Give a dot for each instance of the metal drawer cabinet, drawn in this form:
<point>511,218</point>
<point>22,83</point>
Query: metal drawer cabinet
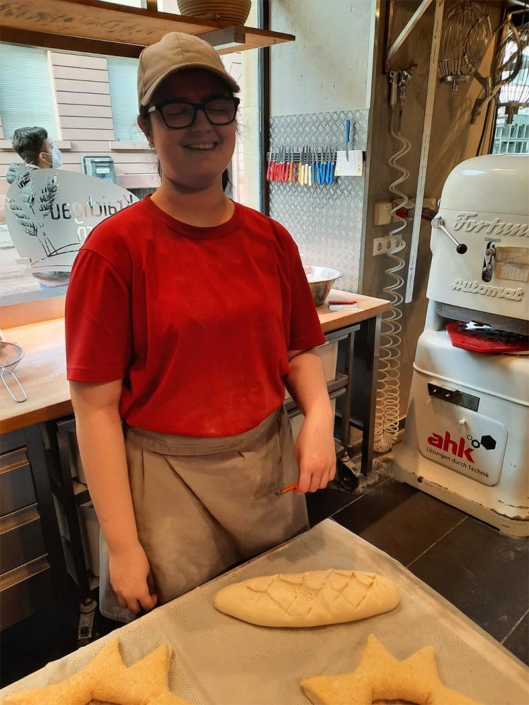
<point>16,482</point>
<point>25,590</point>
<point>21,538</point>
<point>32,568</point>
<point>26,581</point>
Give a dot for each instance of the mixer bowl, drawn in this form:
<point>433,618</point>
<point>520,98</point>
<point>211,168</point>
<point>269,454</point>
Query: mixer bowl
<point>321,281</point>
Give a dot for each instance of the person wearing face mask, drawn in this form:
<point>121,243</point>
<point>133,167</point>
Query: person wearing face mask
<point>54,158</point>
<point>186,316</point>
<point>35,148</point>
<point>37,151</point>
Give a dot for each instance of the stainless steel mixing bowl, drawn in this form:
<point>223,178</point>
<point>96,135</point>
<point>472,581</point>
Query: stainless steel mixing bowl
<point>321,281</point>
<point>10,356</point>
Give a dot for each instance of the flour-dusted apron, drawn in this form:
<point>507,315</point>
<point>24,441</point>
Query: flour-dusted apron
<point>203,505</point>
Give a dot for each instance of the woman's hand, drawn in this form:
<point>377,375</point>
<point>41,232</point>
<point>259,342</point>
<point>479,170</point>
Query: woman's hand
<point>314,450</point>
<point>129,570</point>
<point>102,446</point>
<point>315,454</point>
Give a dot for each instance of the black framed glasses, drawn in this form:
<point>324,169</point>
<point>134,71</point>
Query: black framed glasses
<point>178,114</point>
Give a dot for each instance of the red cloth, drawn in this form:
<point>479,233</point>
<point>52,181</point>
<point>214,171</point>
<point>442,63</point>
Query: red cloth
<point>197,321</point>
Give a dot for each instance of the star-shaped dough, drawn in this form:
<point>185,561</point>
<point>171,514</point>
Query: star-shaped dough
<point>107,679</point>
<point>380,676</point>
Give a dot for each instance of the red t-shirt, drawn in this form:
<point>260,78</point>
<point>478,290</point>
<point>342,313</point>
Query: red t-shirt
<point>196,321</point>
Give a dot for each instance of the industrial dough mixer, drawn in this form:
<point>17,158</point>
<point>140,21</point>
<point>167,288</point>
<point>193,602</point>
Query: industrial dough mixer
<point>466,437</point>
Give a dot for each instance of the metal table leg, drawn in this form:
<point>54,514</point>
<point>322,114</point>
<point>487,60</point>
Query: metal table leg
<point>88,606</point>
<point>366,350</point>
<point>345,470</point>
<point>345,429</point>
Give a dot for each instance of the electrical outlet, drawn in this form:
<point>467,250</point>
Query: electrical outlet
<point>388,245</point>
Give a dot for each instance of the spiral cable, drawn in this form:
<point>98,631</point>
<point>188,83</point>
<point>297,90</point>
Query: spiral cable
<point>388,388</point>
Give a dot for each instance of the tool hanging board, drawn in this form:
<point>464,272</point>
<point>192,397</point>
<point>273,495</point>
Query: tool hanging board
<point>326,222</point>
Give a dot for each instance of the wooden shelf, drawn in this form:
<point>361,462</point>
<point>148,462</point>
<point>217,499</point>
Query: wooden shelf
<point>102,28</point>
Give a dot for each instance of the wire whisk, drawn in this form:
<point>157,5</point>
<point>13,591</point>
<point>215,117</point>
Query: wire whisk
<point>506,69</point>
<point>512,71</point>
<point>466,36</point>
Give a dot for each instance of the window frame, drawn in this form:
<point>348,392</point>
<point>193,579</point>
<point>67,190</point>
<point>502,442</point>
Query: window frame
<point>37,305</point>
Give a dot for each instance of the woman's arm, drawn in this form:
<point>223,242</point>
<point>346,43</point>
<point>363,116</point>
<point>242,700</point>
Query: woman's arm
<point>314,450</point>
<point>102,448</point>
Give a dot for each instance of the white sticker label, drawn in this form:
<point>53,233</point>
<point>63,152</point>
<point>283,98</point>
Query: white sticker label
<point>354,166</point>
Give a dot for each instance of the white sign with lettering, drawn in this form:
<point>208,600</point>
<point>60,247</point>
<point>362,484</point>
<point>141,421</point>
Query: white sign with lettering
<point>50,213</point>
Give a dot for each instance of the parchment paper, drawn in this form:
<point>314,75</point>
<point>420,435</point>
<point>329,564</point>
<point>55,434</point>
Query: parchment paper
<point>221,661</point>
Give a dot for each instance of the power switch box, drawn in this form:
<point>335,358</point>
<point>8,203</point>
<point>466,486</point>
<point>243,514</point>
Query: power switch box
<point>382,213</point>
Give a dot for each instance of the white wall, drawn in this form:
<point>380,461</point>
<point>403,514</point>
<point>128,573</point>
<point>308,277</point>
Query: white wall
<point>328,67</point>
<point>168,6</point>
<point>248,121</point>
<point>128,3</point>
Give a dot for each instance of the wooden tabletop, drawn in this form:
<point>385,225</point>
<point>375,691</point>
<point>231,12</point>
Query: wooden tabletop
<point>368,307</point>
<point>42,373</point>
<point>42,369</point>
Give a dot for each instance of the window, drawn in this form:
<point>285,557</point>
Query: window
<point>122,80</point>
<point>26,93</point>
<point>511,131</point>
<point>246,168</point>
<point>128,3</point>
<point>85,117</point>
<point>513,138</point>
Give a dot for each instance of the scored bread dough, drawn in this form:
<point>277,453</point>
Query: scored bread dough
<point>311,599</point>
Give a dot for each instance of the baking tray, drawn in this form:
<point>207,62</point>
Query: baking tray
<point>221,661</point>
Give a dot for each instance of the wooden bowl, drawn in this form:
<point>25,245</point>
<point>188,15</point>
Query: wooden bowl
<point>235,11</point>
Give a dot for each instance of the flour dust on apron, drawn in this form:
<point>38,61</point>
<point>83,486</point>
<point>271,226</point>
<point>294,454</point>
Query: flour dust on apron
<point>202,505</point>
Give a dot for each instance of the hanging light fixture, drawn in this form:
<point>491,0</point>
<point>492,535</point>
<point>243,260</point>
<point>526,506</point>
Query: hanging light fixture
<point>515,94</point>
<point>466,36</point>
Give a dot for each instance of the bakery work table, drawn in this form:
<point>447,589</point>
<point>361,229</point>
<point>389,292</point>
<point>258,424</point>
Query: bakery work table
<point>219,660</point>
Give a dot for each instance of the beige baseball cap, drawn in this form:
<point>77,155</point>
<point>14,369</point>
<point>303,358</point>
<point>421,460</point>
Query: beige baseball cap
<point>175,52</point>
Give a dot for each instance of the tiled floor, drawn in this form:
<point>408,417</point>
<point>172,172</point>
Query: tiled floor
<point>482,572</point>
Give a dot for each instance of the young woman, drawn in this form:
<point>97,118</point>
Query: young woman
<point>186,315</point>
